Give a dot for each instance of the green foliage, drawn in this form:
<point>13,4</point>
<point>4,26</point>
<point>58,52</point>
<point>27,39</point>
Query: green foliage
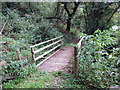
<point>98,65</point>
<point>36,80</point>
<point>24,29</point>
<point>28,29</point>
<point>97,15</point>
<point>65,80</point>
<point>10,48</point>
<point>25,26</point>
<point>45,32</point>
<point>44,80</point>
<point>13,68</point>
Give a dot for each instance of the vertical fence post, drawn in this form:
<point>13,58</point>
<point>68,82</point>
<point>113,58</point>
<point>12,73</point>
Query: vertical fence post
<point>33,55</point>
<point>62,41</point>
<point>75,63</point>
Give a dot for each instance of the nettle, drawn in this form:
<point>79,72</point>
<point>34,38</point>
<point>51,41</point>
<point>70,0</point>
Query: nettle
<point>99,60</point>
<point>14,68</point>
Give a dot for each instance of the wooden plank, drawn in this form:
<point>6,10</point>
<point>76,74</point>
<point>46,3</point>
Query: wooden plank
<point>46,52</point>
<point>46,41</point>
<point>47,46</point>
<point>47,58</point>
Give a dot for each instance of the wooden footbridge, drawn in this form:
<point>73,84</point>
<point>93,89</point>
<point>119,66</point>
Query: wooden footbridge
<point>59,59</point>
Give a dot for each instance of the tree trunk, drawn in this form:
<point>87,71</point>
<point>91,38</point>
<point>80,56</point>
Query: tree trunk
<point>68,24</point>
<point>70,15</point>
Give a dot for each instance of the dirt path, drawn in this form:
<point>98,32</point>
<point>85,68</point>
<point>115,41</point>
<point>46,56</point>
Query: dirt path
<point>59,61</point>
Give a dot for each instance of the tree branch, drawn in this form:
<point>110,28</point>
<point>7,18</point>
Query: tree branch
<point>54,17</point>
<point>112,15</point>
<point>3,27</point>
<point>75,8</point>
<point>65,6</point>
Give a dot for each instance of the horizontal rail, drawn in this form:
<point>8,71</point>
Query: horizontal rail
<point>46,52</point>
<point>79,43</point>
<point>47,46</point>
<point>45,41</point>
<point>47,58</point>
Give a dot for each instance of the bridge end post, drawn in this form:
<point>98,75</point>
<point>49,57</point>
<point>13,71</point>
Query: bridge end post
<point>33,55</point>
<point>75,63</point>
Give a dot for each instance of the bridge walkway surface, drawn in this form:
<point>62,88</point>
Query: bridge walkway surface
<point>59,60</point>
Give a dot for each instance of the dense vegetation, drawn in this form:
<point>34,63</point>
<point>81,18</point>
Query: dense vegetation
<point>99,60</point>
<point>25,24</point>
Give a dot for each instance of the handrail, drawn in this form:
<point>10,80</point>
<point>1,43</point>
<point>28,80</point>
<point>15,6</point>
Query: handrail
<point>47,46</point>
<point>46,52</point>
<point>80,41</point>
<point>55,42</point>
<point>45,42</point>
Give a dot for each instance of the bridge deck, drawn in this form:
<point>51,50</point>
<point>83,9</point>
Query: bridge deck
<point>59,60</point>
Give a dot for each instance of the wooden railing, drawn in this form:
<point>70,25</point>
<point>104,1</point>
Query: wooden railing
<point>76,52</point>
<point>58,41</point>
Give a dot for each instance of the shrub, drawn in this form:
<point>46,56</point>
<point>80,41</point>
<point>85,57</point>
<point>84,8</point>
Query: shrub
<point>13,68</point>
<point>98,67</point>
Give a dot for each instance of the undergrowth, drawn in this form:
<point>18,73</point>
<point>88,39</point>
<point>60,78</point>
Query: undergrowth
<point>38,79</point>
<point>99,60</point>
<point>42,79</point>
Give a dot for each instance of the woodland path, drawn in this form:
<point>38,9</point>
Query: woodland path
<point>59,60</point>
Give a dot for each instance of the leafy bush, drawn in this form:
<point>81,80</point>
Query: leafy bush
<point>98,66</point>
<point>45,32</point>
<point>13,68</point>
<point>28,28</point>
<point>20,32</point>
<point>37,79</point>
<point>10,47</point>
